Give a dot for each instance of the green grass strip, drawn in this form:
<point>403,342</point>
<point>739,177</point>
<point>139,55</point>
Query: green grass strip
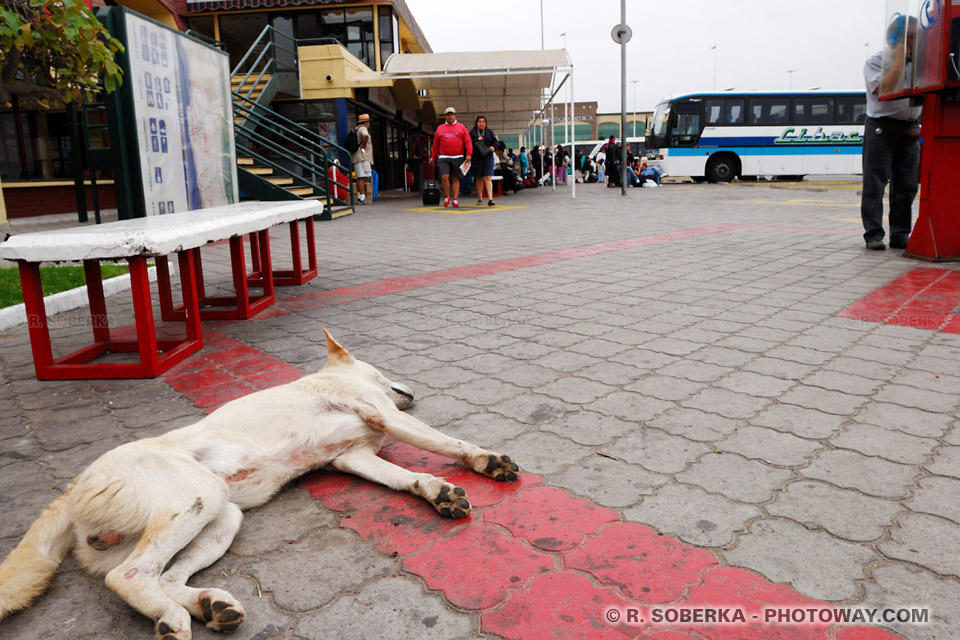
<point>54,279</point>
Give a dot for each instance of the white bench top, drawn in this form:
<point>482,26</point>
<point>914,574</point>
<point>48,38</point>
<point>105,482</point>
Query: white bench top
<point>154,235</point>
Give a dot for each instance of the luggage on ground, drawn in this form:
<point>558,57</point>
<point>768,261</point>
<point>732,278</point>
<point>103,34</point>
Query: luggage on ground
<point>431,192</point>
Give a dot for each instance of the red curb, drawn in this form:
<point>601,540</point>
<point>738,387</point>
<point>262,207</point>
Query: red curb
<point>647,567</point>
<point>477,566</point>
<point>550,519</point>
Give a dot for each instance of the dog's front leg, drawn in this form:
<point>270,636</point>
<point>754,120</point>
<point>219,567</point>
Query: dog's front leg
<point>447,499</point>
<point>408,429</point>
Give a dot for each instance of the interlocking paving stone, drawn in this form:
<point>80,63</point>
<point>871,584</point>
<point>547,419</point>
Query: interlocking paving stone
<point>558,600</point>
<point>770,446</point>
<point>545,453</point>
<point>895,586</point>
<point>926,540</point>
<point>695,371</point>
<point>656,450</point>
<point>754,384</point>
<point>812,562</point>
<point>906,419</point>
<point>288,516</point>
<point>485,429</point>
<point>844,513</point>
<point>843,382</point>
<point>727,403</point>
<point>477,565</point>
<point>735,477</point>
<point>338,560</point>
<point>608,482</point>
<point>693,515</point>
<point>630,406</point>
<point>695,424</point>
<point>946,462</point>
<point>824,400</point>
<point>618,556</point>
<point>665,387</point>
<point>485,391</point>
<point>806,423</point>
<point>576,390</point>
<point>937,496</point>
<point>588,427</point>
<point>532,408</point>
<point>873,476</point>
<point>893,445</point>
<point>392,607</point>
<point>919,398</point>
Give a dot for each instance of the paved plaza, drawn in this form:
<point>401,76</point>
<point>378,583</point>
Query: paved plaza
<point>718,397</point>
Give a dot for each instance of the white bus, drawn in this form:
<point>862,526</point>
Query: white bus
<point>717,137</point>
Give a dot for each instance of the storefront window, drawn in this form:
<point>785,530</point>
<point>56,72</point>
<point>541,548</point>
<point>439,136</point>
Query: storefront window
<point>35,146</point>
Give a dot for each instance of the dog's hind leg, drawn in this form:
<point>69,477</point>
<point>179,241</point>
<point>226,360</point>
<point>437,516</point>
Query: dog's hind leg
<point>177,520</point>
<point>216,607</point>
<point>446,498</point>
<point>408,429</point>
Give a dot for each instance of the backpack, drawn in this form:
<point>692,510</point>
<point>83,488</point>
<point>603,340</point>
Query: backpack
<point>351,142</point>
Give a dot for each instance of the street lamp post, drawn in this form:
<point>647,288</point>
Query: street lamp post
<point>790,73</point>
<point>714,48</point>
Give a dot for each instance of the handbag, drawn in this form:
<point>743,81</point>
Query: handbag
<point>481,149</point>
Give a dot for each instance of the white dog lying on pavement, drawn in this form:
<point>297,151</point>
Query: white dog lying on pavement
<point>181,494</point>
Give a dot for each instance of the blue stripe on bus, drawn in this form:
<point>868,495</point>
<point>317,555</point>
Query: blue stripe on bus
<point>853,150</point>
<point>752,141</point>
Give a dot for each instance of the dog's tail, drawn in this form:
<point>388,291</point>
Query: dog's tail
<point>25,573</point>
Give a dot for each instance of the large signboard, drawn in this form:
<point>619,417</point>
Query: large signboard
<point>183,116</point>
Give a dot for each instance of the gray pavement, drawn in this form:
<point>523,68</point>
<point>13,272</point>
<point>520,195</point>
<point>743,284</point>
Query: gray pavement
<point>701,384</point>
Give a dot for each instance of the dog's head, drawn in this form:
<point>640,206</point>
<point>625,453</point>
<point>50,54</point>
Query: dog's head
<point>337,356</point>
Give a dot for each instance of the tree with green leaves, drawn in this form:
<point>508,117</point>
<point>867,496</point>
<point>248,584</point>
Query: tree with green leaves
<point>53,51</point>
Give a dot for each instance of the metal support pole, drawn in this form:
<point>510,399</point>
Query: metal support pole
<point>573,156</point>
<point>623,102</point>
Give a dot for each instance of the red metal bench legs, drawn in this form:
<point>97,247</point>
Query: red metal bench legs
<point>239,306</point>
<point>289,277</point>
<point>155,356</point>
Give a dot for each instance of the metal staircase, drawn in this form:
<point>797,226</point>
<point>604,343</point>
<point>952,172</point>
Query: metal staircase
<point>277,158</point>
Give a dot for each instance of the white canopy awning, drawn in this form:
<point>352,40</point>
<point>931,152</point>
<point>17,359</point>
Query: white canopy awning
<point>505,86</point>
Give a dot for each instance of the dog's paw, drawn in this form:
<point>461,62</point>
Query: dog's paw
<point>173,625</point>
<point>451,501</point>
<point>221,611</point>
<point>499,467</point>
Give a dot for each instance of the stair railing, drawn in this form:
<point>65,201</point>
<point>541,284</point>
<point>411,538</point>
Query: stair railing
<point>295,144</point>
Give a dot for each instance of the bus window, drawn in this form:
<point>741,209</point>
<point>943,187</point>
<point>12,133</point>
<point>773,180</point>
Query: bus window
<point>818,109</point>
<point>734,111</point>
<point>714,111</point>
<point>851,109</point>
<point>686,130</point>
<point>768,110</point>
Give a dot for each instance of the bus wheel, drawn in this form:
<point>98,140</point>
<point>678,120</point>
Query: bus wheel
<point>721,169</point>
<point>699,179</point>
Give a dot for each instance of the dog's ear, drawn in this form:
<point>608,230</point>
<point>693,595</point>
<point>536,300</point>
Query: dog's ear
<point>335,353</point>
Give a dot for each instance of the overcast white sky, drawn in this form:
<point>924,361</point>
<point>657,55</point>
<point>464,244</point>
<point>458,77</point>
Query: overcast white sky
<point>757,41</point>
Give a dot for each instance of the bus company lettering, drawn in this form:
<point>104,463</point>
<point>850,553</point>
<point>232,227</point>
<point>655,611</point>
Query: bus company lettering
<point>789,136</point>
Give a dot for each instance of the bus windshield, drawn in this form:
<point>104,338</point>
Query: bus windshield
<point>661,117</point>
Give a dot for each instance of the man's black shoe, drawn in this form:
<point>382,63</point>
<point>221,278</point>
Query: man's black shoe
<point>876,245</point>
<point>899,243</point>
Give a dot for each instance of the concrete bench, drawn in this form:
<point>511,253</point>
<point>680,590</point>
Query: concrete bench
<point>157,237</point>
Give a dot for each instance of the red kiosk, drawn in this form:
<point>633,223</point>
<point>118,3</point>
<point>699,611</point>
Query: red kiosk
<point>933,77</point>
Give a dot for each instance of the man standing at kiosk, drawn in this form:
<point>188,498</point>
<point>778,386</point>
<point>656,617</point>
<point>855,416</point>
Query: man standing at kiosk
<point>451,147</point>
<point>891,150</point>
